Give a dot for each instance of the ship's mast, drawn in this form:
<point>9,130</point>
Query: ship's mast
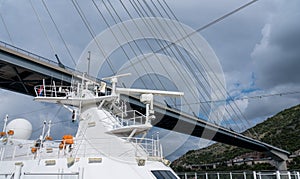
<point>146,96</point>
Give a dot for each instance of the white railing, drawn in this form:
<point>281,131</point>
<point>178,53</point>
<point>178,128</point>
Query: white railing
<point>140,147</point>
<point>152,147</point>
<point>53,91</point>
<point>67,91</point>
<point>135,118</point>
<point>10,152</point>
<point>241,175</point>
<point>50,149</point>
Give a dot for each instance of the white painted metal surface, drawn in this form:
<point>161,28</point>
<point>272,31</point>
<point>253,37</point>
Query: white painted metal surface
<point>108,143</point>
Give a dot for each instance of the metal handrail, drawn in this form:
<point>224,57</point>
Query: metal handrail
<point>53,91</point>
<point>38,57</point>
<point>240,174</point>
<point>137,119</point>
<point>151,147</point>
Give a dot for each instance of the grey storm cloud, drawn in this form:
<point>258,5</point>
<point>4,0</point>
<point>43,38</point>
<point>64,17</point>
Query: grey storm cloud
<point>269,63</point>
<point>277,56</point>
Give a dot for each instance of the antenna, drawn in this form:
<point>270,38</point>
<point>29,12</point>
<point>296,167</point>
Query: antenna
<point>5,122</point>
<point>146,97</point>
<point>49,128</point>
<point>89,61</point>
<point>43,131</point>
<point>48,137</point>
<point>146,91</point>
<point>114,81</point>
<point>84,77</point>
<point>3,133</point>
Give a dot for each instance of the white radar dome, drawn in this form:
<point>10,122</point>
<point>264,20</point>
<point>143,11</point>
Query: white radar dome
<point>21,127</point>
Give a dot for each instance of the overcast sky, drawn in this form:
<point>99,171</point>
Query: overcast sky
<point>258,49</point>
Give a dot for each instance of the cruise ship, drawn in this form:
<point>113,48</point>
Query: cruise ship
<point>111,140</point>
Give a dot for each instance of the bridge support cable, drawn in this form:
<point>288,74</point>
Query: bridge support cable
<point>127,32</point>
<point>137,46</point>
<point>164,6</point>
<point>188,61</point>
<point>173,52</point>
<point>176,31</point>
<point>139,49</point>
<point>43,28</point>
<point>234,108</point>
<point>212,23</point>
<point>159,43</point>
<point>203,88</point>
<point>59,33</point>
<point>214,76</point>
<point>6,29</point>
<point>122,34</point>
<point>91,32</point>
<point>152,13</point>
<point>237,113</point>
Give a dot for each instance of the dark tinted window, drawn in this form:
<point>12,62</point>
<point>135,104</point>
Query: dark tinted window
<point>163,174</point>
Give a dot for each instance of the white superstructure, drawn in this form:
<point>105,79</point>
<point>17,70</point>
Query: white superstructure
<point>110,141</point>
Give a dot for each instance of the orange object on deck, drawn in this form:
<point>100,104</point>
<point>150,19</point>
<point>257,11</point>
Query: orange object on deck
<point>2,134</point>
<point>33,150</point>
<point>61,146</point>
<point>68,139</point>
<point>11,132</point>
<point>48,138</point>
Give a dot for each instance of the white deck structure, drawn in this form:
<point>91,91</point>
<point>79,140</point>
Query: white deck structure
<point>110,141</point>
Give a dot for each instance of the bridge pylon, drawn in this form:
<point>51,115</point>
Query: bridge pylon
<point>280,159</point>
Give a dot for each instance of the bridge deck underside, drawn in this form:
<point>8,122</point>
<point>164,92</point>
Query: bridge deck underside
<point>20,74</point>
<point>19,79</point>
<point>166,119</point>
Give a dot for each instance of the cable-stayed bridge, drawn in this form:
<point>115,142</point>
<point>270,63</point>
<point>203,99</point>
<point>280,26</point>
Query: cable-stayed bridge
<point>21,70</point>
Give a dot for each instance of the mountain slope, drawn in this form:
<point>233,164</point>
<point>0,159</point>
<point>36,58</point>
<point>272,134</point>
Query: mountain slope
<point>281,130</point>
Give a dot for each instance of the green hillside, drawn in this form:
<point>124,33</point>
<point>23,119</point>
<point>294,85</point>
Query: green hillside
<point>281,130</point>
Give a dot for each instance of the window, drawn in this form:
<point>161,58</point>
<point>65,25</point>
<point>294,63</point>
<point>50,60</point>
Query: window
<point>163,174</point>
